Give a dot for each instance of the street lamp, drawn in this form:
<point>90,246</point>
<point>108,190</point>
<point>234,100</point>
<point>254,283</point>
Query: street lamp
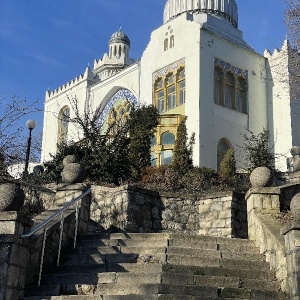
<point>30,124</point>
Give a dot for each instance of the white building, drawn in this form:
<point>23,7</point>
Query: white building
<point>197,65</point>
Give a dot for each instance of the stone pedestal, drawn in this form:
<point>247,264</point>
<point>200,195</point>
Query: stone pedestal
<point>291,232</point>
<point>261,199</point>
<point>14,254</point>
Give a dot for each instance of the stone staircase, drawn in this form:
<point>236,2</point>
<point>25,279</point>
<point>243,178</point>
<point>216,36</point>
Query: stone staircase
<point>162,266</point>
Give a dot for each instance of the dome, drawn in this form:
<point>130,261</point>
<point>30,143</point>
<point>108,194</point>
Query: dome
<point>120,37</point>
<point>226,9</point>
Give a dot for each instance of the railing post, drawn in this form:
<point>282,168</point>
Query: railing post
<point>42,255</point>
<point>60,237</point>
<point>76,224</point>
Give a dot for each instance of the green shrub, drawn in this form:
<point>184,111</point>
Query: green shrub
<point>258,151</point>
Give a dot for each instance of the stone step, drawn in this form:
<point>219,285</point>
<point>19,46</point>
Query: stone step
<point>141,242</point>
<point>88,250</point>
<point>135,268</point>
<point>143,267</point>
<point>212,243</point>
<point>219,271</point>
<point>216,262</point>
<point>103,278</point>
<point>141,289</point>
<point>214,253</point>
<point>74,259</point>
<point>127,289</point>
<point>136,236</point>
<point>219,281</point>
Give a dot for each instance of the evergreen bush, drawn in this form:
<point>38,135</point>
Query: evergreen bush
<point>183,150</point>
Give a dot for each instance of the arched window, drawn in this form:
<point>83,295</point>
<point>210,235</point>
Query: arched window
<point>218,85</point>
<point>223,147</point>
<point>172,41</point>
<point>63,124</point>
<point>160,95</point>
<point>171,91</point>
<point>167,138</point>
<point>229,90</point>
<point>181,85</point>
<point>166,44</point>
<point>241,95</point>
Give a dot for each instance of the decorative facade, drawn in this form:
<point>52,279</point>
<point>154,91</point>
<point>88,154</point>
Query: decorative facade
<point>197,67</point>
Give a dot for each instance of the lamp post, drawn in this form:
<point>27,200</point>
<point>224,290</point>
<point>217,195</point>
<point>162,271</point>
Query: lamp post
<point>30,124</point>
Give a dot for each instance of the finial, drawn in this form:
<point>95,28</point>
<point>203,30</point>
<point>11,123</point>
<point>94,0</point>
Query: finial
<point>120,27</point>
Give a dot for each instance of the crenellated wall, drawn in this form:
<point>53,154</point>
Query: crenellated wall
<point>87,75</point>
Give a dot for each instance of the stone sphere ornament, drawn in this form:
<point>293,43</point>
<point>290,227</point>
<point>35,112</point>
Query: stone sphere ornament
<point>295,150</point>
<point>73,173</point>
<point>69,159</point>
<point>12,197</point>
<point>295,206</point>
<point>38,169</point>
<point>261,177</point>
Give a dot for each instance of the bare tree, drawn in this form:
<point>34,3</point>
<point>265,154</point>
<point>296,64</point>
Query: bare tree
<point>292,20</point>
<point>12,139</point>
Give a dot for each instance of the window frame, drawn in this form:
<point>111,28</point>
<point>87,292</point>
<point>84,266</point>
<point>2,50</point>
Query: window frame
<point>227,82</point>
<point>63,129</point>
<point>168,95</point>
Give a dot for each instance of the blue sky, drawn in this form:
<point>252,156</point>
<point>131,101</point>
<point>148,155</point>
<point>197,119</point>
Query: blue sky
<point>45,44</point>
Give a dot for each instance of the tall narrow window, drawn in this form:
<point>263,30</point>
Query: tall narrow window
<point>172,41</point>
<point>229,91</point>
<point>181,86</point>
<point>171,91</point>
<point>241,95</point>
<point>63,125</point>
<point>160,95</point>
<point>218,90</point>
<point>166,44</point>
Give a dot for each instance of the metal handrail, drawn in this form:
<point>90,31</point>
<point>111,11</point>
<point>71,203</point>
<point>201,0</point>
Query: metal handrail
<point>54,215</point>
<point>62,218</point>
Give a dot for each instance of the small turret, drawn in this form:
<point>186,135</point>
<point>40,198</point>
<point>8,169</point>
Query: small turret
<point>118,57</point>
<point>119,44</point>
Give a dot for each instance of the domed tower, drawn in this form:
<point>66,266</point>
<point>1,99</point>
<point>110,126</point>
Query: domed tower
<point>226,9</point>
<point>119,44</point>
<point>117,59</point>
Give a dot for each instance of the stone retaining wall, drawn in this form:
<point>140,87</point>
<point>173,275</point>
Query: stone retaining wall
<point>14,254</point>
<point>139,210</point>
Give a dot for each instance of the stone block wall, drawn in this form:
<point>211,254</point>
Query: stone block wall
<point>14,254</point>
<point>291,232</point>
<point>138,210</point>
